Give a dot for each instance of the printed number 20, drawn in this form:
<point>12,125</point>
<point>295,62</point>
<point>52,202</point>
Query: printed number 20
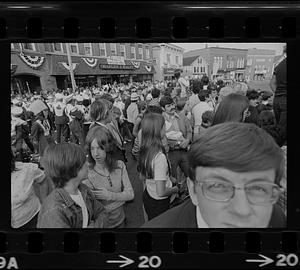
<point>154,262</point>
<point>291,260</point>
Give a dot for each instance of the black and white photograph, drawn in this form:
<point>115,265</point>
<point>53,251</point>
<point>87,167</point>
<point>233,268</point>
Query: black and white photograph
<point>148,135</point>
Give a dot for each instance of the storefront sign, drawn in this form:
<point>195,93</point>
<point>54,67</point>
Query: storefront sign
<point>127,67</point>
<point>115,60</point>
<point>169,71</point>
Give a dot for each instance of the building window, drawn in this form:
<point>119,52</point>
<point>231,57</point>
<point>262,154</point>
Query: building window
<point>140,51</point>
<point>12,46</point>
<point>102,49</point>
<point>122,50</point>
<point>200,61</point>
<point>28,46</point>
<point>132,51</point>
<point>147,53</point>
<point>57,47</point>
<point>249,62</point>
<point>176,59</point>
<point>195,70</point>
<point>168,58</point>
<point>87,48</point>
<point>74,48</point>
<point>113,48</point>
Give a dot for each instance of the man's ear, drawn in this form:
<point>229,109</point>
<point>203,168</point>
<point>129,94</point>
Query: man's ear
<point>192,191</point>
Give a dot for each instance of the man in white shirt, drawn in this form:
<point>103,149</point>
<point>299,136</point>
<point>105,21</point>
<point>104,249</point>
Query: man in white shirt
<point>132,110</point>
<point>199,109</point>
<point>181,84</point>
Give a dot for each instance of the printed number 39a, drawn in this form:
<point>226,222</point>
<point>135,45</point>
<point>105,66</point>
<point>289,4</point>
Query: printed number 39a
<point>146,262</point>
<point>291,260</point>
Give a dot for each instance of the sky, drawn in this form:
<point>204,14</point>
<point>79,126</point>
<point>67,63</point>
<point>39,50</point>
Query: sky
<point>278,47</point>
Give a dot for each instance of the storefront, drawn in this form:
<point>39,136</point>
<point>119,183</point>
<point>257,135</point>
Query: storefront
<point>169,73</point>
<point>30,73</point>
<point>99,71</point>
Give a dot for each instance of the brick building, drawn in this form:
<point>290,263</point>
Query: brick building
<point>223,63</point>
<point>36,66</point>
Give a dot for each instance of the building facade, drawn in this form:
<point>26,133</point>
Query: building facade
<point>259,64</point>
<point>167,58</point>
<point>195,66</point>
<point>222,63</point>
<point>36,66</point>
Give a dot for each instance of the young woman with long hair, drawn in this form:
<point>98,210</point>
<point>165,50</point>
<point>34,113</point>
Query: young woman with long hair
<point>154,166</point>
<point>107,176</point>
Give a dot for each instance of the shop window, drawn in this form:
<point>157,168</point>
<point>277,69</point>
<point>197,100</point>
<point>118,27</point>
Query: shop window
<point>102,49</point>
<point>28,46</point>
<point>87,48</point>
<point>74,48</point>
<point>57,47</point>
<point>122,50</point>
<point>113,48</point>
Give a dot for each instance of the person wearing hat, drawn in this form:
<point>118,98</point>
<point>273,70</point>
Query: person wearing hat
<point>40,129</point>
<point>61,118</point>
<point>132,110</point>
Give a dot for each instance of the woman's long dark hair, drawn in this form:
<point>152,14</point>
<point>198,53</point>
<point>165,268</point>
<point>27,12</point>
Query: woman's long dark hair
<point>151,142</point>
<point>231,109</point>
<point>106,141</point>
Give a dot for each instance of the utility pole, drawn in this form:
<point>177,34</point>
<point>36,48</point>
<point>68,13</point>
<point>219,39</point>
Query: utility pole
<point>71,67</point>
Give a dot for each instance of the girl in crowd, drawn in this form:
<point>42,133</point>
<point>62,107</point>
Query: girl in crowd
<point>233,108</point>
<point>154,166</point>
<point>40,129</point>
<point>107,176</point>
<point>101,116</point>
<point>142,106</point>
<point>71,204</point>
<point>29,187</point>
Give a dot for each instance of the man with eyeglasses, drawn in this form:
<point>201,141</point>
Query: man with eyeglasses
<point>235,174</point>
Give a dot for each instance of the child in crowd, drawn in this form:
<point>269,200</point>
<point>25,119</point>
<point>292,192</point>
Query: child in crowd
<point>71,204</point>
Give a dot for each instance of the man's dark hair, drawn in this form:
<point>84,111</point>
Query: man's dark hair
<point>155,93</point>
<point>165,100</point>
<point>203,94</point>
<point>205,80</point>
<point>252,95</point>
<point>196,86</point>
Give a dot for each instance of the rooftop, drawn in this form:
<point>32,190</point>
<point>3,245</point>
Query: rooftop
<point>187,61</point>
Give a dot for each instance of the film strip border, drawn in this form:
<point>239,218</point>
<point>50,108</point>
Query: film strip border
<point>150,20</point>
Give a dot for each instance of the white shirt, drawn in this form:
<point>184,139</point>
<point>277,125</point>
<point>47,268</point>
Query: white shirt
<point>59,108</point>
<point>78,199</point>
<point>24,203</point>
<point>183,85</point>
<point>160,172</point>
<point>198,110</point>
<point>132,112</point>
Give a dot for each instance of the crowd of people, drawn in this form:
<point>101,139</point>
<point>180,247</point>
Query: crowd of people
<point>198,143</point>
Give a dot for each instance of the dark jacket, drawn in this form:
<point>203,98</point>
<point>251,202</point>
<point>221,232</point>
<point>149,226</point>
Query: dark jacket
<point>60,211</point>
<point>184,216</point>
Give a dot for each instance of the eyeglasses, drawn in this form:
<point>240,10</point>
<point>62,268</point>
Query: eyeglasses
<point>258,193</point>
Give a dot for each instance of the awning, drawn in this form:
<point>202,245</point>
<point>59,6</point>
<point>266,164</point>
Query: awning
<point>97,66</point>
